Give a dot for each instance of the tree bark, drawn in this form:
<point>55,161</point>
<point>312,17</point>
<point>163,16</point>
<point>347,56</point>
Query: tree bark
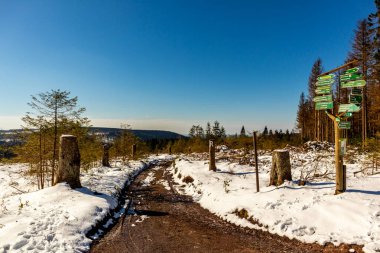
<point>69,162</point>
<point>281,168</point>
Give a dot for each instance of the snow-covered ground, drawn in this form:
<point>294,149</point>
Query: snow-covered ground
<point>56,219</point>
<point>310,213</point>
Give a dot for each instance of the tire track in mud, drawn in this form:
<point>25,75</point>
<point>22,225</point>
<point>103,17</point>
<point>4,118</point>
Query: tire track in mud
<point>161,220</point>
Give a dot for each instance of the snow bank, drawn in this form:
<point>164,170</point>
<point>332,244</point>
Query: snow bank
<point>56,219</point>
<point>310,213</point>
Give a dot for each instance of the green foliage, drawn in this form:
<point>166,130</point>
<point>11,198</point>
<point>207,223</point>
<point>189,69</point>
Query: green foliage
<point>53,113</point>
<point>122,145</point>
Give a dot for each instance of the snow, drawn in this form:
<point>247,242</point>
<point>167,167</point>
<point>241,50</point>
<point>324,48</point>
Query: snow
<point>56,219</point>
<point>310,213</point>
<point>149,179</point>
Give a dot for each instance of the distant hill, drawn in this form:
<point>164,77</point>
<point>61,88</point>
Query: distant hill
<point>144,135</point>
<point>10,137</point>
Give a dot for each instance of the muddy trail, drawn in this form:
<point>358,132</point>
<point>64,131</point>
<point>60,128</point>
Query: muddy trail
<point>161,220</point>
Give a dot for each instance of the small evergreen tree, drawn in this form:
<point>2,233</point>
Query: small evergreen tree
<point>242,132</point>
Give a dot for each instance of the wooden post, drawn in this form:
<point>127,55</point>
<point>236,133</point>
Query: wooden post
<point>212,165</point>
<point>170,149</point>
<point>256,161</point>
<point>106,155</point>
<point>133,151</point>
<point>338,157</point>
<point>344,178</point>
<point>69,162</point>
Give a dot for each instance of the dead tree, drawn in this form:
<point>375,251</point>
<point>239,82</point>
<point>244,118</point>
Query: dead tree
<point>281,168</point>
<point>69,162</point>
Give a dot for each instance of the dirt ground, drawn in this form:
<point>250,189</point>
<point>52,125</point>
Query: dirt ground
<point>160,220</point>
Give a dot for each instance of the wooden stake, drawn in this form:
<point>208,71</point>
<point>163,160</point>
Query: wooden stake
<point>212,165</point>
<point>339,180</point>
<point>133,151</point>
<point>256,161</point>
<point>106,155</point>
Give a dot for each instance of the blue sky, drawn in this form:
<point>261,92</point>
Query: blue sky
<point>171,64</point>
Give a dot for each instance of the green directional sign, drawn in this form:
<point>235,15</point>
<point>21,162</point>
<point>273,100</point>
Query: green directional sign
<point>353,70</point>
<point>347,115</point>
<point>349,108</point>
<point>324,105</point>
<point>356,91</point>
<point>325,82</point>
<point>326,77</point>
<point>320,91</point>
<point>356,99</point>
<point>344,125</point>
<point>326,98</point>
<point>350,77</point>
<point>352,84</point>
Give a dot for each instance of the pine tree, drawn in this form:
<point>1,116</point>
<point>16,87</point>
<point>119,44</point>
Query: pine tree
<point>208,131</point>
<point>192,131</point>
<point>374,75</point>
<point>56,112</point>
<point>301,115</point>
<point>242,132</point>
<point>223,132</point>
<point>265,132</point>
<point>216,129</point>
<point>199,133</point>
<point>361,51</point>
<point>316,70</point>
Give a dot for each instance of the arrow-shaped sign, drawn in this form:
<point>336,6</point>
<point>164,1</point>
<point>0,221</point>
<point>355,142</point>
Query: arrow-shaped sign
<point>352,84</point>
<point>326,77</point>
<point>344,125</point>
<point>349,108</point>
<point>324,105</point>
<point>325,82</point>
<point>350,77</point>
<point>323,90</point>
<point>327,98</point>
<point>353,70</point>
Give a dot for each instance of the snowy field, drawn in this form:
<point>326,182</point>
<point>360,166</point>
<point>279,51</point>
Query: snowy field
<point>310,213</point>
<point>56,219</point>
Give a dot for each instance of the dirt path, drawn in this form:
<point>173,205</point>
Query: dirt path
<point>162,221</point>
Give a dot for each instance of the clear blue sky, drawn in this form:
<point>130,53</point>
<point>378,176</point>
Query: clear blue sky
<point>171,64</point>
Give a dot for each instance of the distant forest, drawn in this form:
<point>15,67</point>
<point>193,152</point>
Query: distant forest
<point>365,125</point>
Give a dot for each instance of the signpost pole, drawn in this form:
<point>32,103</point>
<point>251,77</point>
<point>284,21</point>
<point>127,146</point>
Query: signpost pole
<point>352,80</point>
<point>256,161</point>
<point>339,188</point>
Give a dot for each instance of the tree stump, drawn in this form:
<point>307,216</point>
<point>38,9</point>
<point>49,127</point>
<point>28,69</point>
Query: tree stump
<point>212,165</point>
<point>281,169</point>
<point>106,155</point>
<point>69,162</point>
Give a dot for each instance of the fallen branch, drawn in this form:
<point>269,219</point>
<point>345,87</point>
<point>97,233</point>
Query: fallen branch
<point>17,189</point>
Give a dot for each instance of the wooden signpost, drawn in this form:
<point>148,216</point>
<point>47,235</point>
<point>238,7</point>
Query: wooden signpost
<point>350,79</point>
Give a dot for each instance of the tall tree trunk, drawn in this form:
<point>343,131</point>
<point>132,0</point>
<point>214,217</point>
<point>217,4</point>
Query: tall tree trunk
<point>364,103</point>
<point>55,141</point>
